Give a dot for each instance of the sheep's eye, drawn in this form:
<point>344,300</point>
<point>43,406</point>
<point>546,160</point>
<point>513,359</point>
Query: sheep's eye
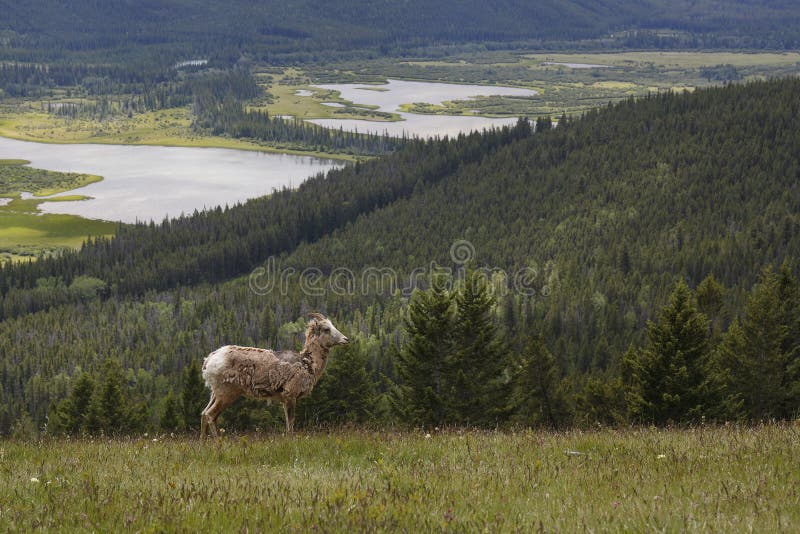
<point>326,329</point>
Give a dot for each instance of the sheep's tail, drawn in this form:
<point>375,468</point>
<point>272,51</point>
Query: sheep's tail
<point>213,364</point>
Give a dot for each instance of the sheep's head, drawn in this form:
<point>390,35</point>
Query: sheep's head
<point>323,331</point>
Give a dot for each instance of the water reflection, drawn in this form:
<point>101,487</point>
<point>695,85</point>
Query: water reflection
<point>149,182</point>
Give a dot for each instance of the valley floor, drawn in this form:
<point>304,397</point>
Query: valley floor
<point>715,479</point>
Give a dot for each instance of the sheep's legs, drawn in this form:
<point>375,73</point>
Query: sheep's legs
<point>212,411</point>
<point>203,421</point>
<point>288,408</point>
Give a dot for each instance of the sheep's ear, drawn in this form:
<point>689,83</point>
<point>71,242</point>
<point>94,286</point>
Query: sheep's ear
<point>317,316</point>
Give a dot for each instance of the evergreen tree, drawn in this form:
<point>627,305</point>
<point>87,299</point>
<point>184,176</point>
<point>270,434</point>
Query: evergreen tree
<point>420,396</point>
<point>346,393</point>
<point>24,427</point>
<point>601,401</point>
<point>537,398</point>
<point>70,414</point>
<point>789,295</point>
<point>710,296</point>
<point>757,360</point>
<point>670,373</point>
<point>194,396</point>
<point>108,412</point>
<point>479,357</point>
<point>169,418</point>
<point>631,371</point>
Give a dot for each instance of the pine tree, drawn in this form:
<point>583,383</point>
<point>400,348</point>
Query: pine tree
<point>671,372</point>
<point>420,396</point>
<point>108,412</point>
<point>71,412</point>
<point>194,396</point>
<point>479,357</point>
<point>756,359</point>
<point>631,374</point>
<point>346,393</point>
<point>710,296</point>
<point>169,418</point>
<point>536,395</point>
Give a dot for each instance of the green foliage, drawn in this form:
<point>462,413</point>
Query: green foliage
<point>24,428</point>
<point>710,296</point>
<point>107,412</point>
<point>71,413</point>
<point>537,396</point>
<point>346,393</point>
<point>15,178</point>
<point>218,244</point>
<point>479,357</point>
<point>715,479</point>
<point>451,366</point>
<point>194,395</point>
<point>601,401</point>
<point>422,394</point>
<point>758,357</point>
<point>100,403</point>
<point>169,418</point>
<point>307,30</point>
<point>219,107</point>
<point>670,372</point>
<point>87,287</point>
<point>592,223</point>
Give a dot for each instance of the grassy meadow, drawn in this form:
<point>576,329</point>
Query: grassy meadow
<point>25,232</point>
<point>309,104</point>
<point>722,479</point>
<point>25,121</point>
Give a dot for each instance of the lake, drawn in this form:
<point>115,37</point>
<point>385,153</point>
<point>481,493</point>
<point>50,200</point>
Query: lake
<point>388,97</point>
<point>150,182</point>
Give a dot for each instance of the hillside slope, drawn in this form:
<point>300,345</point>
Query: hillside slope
<point>606,212</point>
<point>610,210</point>
<point>685,183</point>
<point>309,29</point>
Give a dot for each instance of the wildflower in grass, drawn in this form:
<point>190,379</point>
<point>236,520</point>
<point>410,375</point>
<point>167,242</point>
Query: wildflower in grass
<point>34,480</point>
<point>661,456</point>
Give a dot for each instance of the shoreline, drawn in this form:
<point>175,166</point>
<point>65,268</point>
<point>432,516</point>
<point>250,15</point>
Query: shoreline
<point>233,144</point>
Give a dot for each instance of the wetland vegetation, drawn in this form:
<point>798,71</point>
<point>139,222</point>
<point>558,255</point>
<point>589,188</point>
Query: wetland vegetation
<point>27,233</point>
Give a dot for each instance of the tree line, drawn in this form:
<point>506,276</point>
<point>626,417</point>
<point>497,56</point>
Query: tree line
<point>219,107</point>
<point>300,31</point>
<point>218,244</point>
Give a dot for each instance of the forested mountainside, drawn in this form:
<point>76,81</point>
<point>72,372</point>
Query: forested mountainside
<point>632,244</point>
<point>304,30</point>
<point>216,245</point>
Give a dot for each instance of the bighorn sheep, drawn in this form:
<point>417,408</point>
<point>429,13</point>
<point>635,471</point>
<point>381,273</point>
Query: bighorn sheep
<point>285,376</point>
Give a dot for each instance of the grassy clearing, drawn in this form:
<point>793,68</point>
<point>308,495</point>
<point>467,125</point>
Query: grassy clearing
<point>707,479</point>
<point>309,104</point>
<point>24,231</point>
<point>172,127</point>
<point>28,234</point>
<point>685,60</point>
<point>13,162</point>
<point>16,177</point>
